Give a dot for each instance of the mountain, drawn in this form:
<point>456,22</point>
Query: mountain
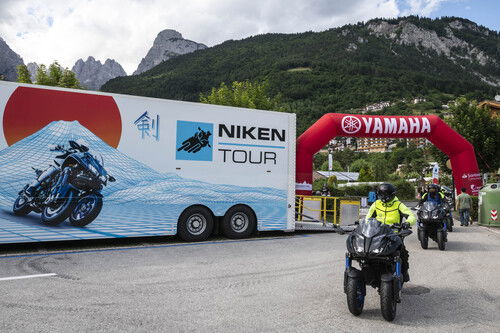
<point>168,44</point>
<point>92,74</point>
<point>340,69</point>
<point>32,68</point>
<point>9,60</point>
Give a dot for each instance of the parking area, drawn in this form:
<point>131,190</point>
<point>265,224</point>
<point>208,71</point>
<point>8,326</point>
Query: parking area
<point>275,282</point>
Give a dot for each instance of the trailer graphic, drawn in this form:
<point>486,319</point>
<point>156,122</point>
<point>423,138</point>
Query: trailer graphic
<point>155,192</point>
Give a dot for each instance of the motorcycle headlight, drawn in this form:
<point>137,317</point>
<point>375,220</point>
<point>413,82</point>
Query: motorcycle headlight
<point>359,244</point>
<point>424,215</point>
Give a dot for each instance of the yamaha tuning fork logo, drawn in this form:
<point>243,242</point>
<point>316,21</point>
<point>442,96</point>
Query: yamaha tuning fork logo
<point>194,141</point>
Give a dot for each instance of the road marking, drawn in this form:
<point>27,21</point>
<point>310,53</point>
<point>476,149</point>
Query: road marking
<point>151,247</point>
<point>26,276</point>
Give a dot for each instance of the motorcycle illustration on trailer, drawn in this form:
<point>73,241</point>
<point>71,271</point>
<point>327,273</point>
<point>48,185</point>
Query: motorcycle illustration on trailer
<point>70,188</point>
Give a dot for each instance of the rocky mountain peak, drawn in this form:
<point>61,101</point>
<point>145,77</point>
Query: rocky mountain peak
<point>444,42</point>
<point>92,74</point>
<point>9,60</point>
<point>167,44</point>
<point>32,68</point>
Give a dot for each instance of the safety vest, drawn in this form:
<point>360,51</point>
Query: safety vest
<point>388,213</point>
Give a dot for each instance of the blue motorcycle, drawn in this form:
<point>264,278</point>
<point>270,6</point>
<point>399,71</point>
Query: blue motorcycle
<point>71,188</point>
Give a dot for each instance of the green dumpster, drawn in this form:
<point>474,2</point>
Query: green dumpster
<point>489,205</point>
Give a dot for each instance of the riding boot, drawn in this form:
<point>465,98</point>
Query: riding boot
<point>404,255</point>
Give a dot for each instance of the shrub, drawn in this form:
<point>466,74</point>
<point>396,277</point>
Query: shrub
<point>475,207</point>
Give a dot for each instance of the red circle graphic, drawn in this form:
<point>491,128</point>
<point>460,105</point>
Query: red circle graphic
<point>30,109</point>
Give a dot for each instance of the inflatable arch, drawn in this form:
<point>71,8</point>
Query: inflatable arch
<point>461,152</point>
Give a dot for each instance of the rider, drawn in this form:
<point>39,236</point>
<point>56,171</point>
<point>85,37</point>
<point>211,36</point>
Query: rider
<point>389,210</point>
<point>433,194</point>
<point>51,170</point>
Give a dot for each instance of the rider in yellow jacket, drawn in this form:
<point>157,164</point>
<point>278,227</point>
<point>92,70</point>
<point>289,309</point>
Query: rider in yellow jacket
<point>389,210</point>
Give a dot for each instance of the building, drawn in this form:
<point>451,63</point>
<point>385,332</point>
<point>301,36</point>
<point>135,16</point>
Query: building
<point>340,143</point>
<point>493,105</point>
<point>373,145</point>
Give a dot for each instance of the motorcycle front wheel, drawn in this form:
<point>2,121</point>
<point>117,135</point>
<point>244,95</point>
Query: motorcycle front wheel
<point>86,210</point>
<point>388,302</point>
<point>57,213</point>
<point>355,297</point>
<point>21,206</point>
<point>424,238</point>
<point>441,240</point>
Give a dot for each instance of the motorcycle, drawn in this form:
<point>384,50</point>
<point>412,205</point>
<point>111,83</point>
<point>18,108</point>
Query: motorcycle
<point>376,248</point>
<point>195,143</point>
<point>72,191</point>
<point>432,222</point>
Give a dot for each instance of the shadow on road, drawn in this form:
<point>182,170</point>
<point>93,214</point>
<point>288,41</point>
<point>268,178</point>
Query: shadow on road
<point>442,306</point>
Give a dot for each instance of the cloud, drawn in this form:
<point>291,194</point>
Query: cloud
<point>124,30</point>
<point>422,7</point>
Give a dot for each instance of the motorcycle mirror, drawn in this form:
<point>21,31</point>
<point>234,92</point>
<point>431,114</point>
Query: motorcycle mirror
<point>111,179</point>
<point>83,148</point>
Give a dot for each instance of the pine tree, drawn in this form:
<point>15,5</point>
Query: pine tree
<point>42,77</point>
<point>23,75</point>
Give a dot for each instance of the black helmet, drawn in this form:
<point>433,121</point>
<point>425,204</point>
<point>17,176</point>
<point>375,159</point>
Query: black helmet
<point>433,188</point>
<point>386,192</point>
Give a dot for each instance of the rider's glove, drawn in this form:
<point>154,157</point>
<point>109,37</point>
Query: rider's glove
<point>405,225</point>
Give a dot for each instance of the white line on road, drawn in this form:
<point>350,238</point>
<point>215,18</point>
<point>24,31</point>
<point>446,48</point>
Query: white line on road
<point>27,276</point>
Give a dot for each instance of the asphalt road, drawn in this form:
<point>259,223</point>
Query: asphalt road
<point>277,282</point>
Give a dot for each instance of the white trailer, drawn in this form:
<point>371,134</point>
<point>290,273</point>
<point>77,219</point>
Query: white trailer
<point>85,165</point>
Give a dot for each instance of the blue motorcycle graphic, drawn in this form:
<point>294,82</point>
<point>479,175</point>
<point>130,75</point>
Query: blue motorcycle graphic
<point>70,188</point>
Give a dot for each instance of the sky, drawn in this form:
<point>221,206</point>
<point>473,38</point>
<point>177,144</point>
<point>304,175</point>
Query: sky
<point>65,30</point>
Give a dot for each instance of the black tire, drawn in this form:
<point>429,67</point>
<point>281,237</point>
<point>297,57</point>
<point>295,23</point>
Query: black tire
<point>441,240</point>
<point>449,226</point>
<point>21,206</point>
<point>195,224</point>
<point>59,213</point>
<point>86,210</point>
<point>388,304</point>
<point>424,239</point>
<point>355,297</point>
<point>239,222</point>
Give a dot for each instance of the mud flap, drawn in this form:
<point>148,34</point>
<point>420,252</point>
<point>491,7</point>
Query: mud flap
<point>353,273</point>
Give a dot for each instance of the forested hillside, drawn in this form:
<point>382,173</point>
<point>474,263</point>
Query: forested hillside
<point>340,69</point>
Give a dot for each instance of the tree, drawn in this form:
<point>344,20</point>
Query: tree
<point>481,128</point>
<point>252,95</point>
<point>68,79</point>
<point>380,166</point>
<point>358,164</point>
<point>23,75</point>
<point>335,166</point>
<point>366,174</point>
<point>55,74</point>
<point>42,77</point>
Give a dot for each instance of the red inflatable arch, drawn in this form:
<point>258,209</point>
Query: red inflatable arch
<point>461,152</point>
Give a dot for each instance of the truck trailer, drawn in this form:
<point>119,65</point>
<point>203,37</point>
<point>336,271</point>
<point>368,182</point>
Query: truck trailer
<point>82,165</point>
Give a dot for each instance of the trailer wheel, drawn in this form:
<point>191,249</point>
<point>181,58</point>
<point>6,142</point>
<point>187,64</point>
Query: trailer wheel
<point>239,222</point>
<point>195,224</point>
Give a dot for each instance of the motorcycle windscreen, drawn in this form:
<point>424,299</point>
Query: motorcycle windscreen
<point>429,206</point>
<point>369,228</point>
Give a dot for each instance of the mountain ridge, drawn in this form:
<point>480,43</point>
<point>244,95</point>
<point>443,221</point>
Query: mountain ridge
<point>338,69</point>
